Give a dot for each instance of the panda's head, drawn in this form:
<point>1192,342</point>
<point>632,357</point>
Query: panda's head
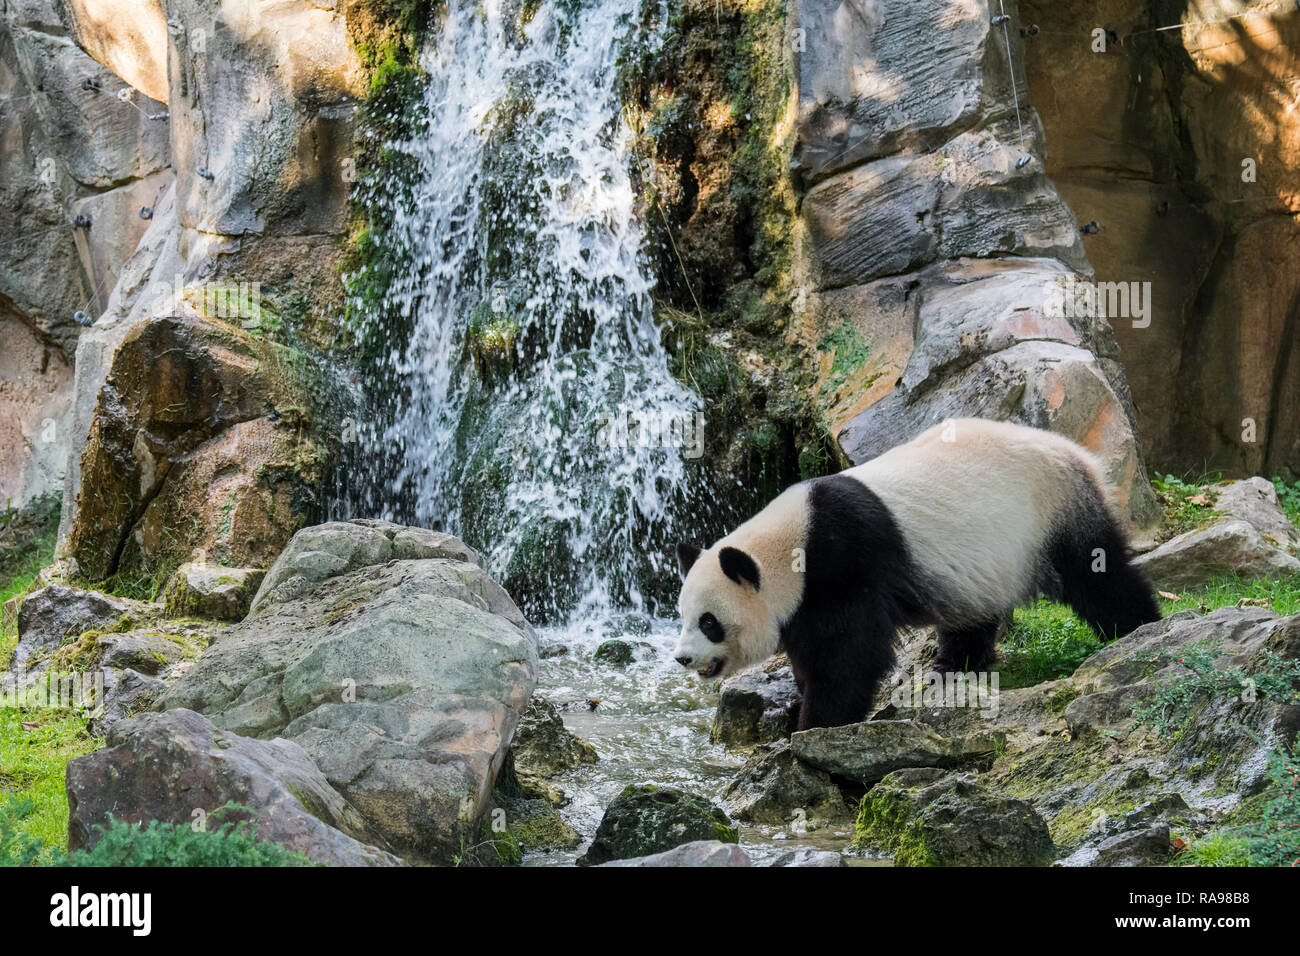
<point>726,624</point>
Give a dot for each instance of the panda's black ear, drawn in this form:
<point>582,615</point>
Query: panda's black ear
<point>687,554</point>
<point>739,566</point>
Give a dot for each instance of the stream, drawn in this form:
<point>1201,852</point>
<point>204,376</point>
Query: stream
<point>651,726</point>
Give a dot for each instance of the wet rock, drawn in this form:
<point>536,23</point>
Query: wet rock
<point>926,817</point>
<point>866,752</point>
<point>1229,547</point>
<point>757,705</point>
<point>404,680</point>
<point>48,616</point>
<point>806,857</point>
<point>167,766</point>
<point>205,590</point>
<point>1141,848</point>
<point>775,786</point>
<point>543,746</point>
<point>643,820</point>
<point>519,825</point>
<point>548,651</point>
<point>616,653</point>
<point>708,853</point>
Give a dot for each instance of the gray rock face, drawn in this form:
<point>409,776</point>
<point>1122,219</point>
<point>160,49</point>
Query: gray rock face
<point>928,818</point>
<point>983,342</point>
<point>68,151</point>
<point>873,83</point>
<point>757,705</point>
<point>931,227</point>
<point>403,679</point>
<point>1230,547</point>
<point>206,590</point>
<point>1238,632</point>
<point>55,612</point>
<point>1254,500</point>
<point>901,213</point>
<point>866,752</point>
<point>167,766</point>
<point>775,786</point>
<point>261,103</point>
<point>646,820</point>
<point>708,853</point>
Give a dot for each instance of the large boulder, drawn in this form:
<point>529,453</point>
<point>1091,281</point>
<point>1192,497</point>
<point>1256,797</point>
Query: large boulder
<point>867,751</point>
<point>984,340</point>
<point>205,443</point>
<point>926,817</point>
<point>177,767</point>
<point>403,679</point>
<point>644,820</point>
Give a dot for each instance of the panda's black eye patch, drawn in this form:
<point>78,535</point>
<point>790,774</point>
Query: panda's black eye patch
<point>711,629</point>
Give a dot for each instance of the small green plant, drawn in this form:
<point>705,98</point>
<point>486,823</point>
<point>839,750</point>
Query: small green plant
<point>1187,504</point>
<point>1288,496</point>
<point>1277,837</point>
<point>1045,641</point>
<point>1218,848</point>
<point>1174,702</point>
<point>229,842</point>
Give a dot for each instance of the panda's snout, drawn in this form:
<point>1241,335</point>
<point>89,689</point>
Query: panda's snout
<point>685,660</point>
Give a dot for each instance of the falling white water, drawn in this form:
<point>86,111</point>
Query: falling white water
<point>524,238</point>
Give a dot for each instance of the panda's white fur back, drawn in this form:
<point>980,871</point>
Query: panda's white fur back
<point>975,500</point>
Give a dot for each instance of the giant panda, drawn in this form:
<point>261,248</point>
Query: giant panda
<point>954,529</point>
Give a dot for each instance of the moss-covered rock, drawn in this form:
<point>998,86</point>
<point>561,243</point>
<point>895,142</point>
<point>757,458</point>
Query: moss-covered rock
<point>926,817</point>
<point>647,819</point>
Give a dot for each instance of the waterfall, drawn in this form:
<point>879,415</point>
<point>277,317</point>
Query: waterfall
<point>534,413</point>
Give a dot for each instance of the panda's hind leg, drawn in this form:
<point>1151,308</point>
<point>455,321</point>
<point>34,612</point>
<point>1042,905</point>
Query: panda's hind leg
<point>1093,573</point>
<point>966,649</point>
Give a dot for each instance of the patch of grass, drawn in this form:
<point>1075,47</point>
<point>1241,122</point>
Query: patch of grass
<point>1288,496</point>
<point>1187,504</point>
<point>1280,594</point>
<point>27,543</point>
<point>1045,641</point>
<point>1217,848</point>
<point>33,768</point>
